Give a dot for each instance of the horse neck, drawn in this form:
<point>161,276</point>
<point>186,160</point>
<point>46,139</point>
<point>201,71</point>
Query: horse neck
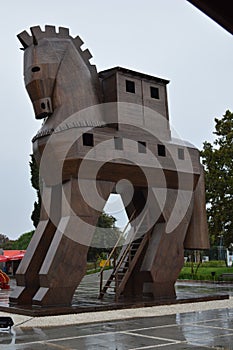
<point>76,89</point>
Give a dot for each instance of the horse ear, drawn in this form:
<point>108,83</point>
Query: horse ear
<point>25,39</point>
<point>36,34</point>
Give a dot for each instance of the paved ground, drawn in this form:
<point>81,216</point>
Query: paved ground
<point>205,325</point>
<point>212,329</point>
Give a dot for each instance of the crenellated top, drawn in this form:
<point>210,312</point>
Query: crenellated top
<point>59,77</point>
<point>50,32</point>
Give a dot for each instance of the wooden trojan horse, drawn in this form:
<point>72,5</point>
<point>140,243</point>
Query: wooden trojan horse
<point>103,133</point>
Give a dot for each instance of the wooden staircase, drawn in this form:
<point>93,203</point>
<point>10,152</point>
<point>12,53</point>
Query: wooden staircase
<point>128,257</point>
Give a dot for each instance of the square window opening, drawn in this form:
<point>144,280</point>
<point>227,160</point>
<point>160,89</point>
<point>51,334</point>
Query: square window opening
<point>118,143</point>
<point>88,139</point>
<point>154,92</point>
<point>130,86</point>
<point>161,150</point>
<point>181,153</point>
<point>141,147</point>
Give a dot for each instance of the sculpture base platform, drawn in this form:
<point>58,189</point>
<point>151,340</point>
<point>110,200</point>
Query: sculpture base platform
<point>90,306</point>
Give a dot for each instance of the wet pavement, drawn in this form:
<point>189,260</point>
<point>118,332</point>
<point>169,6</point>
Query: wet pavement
<point>184,289</point>
<point>86,297</point>
<point>203,325</point>
<point>88,290</point>
<point>191,289</point>
<point>212,329</point>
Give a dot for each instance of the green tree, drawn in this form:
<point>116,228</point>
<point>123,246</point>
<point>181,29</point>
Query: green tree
<point>3,240</point>
<point>218,163</point>
<point>106,220</point>
<point>35,184</point>
<point>105,237</point>
<point>23,241</point>
<point>8,245</point>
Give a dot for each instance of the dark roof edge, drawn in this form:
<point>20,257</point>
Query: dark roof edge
<point>104,73</point>
<point>219,11</point>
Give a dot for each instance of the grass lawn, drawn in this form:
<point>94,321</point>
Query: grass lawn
<point>204,271</point>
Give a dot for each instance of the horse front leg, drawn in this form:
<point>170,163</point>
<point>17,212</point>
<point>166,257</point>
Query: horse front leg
<point>27,275</point>
<point>65,263</point>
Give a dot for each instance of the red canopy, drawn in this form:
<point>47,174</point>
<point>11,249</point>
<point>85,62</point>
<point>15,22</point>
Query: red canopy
<point>10,255</point>
<point>3,258</point>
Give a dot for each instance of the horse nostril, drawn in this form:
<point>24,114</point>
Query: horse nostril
<point>35,69</point>
<point>43,105</point>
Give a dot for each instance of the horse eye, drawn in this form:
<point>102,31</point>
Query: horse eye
<point>35,69</point>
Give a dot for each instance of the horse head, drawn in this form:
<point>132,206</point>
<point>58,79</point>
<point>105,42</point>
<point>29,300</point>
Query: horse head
<point>58,73</point>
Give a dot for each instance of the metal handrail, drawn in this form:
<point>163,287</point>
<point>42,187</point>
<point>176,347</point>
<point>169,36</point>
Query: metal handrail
<point>129,244</point>
<point>116,244</point>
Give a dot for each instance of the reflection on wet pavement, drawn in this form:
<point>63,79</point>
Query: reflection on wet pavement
<point>211,329</point>
<point>184,290</point>
<point>202,288</point>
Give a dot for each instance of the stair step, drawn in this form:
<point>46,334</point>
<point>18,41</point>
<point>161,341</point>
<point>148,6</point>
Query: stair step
<point>123,269</point>
<point>109,281</point>
<point>134,248</point>
<point>139,236</point>
<point>111,292</point>
<point>136,244</point>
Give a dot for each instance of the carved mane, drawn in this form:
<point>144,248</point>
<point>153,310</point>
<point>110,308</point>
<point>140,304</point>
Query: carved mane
<point>50,33</point>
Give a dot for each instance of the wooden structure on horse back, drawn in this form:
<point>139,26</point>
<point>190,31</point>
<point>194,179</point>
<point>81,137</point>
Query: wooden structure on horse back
<point>103,133</point>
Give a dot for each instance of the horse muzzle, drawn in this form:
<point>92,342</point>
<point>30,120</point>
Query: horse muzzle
<point>43,108</point>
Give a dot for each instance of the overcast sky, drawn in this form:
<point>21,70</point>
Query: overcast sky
<point>165,38</point>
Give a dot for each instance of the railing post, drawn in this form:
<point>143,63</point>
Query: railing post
<point>101,282</point>
<point>116,287</point>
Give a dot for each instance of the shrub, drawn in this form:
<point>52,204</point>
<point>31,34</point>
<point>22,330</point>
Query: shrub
<point>212,263</point>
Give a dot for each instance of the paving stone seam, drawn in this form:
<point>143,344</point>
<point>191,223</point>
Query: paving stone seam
<point>204,321</point>
<point>67,338</point>
<point>155,346</point>
<point>208,347</point>
<point>152,337</point>
<point>152,327</point>
<point>222,336</point>
<point>209,327</point>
